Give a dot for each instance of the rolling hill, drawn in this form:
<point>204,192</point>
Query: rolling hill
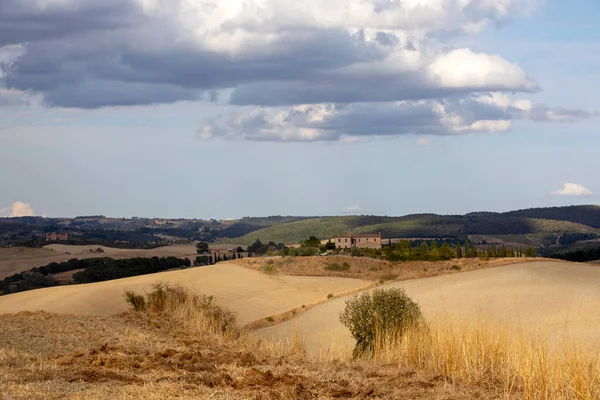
<point>558,220</point>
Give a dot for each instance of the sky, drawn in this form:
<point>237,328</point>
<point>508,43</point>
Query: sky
<point>233,108</point>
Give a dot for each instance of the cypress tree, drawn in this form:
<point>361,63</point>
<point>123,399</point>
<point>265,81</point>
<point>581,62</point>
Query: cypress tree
<point>458,250</point>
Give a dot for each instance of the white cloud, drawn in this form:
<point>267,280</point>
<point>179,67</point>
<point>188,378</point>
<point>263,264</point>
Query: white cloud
<point>352,209</point>
<point>423,142</point>
<point>573,189</point>
<point>17,209</point>
<point>491,112</point>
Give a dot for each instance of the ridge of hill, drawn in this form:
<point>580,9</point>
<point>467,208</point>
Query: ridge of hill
<point>557,220</point>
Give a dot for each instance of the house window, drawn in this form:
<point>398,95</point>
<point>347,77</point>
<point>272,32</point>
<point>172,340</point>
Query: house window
<point>346,240</point>
<point>367,239</point>
<point>358,240</point>
<point>339,240</point>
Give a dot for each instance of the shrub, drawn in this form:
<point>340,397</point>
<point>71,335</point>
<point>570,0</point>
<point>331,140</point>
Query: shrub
<point>174,301</point>
<point>270,319</point>
<point>137,301</point>
<point>385,311</point>
<point>338,267</point>
<point>330,296</point>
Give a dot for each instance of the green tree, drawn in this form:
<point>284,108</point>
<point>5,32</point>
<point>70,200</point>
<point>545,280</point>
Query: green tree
<point>386,311</point>
<point>435,251</point>
<point>202,248</point>
<point>312,241</point>
<point>458,250</point>
<point>446,252</point>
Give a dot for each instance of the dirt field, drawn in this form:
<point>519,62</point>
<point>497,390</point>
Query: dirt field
<point>554,299</point>
<point>18,259</point>
<point>253,295</point>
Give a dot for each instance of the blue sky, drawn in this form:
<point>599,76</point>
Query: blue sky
<point>504,116</point>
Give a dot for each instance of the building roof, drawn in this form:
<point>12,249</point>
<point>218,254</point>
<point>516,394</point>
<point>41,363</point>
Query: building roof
<point>358,236</point>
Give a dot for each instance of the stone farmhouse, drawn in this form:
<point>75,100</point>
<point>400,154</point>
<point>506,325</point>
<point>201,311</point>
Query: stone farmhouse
<point>54,237</point>
<point>360,240</point>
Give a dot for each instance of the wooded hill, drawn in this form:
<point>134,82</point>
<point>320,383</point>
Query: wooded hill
<point>554,221</point>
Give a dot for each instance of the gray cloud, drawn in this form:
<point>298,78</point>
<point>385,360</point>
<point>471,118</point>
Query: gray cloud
<point>482,113</point>
<point>92,53</point>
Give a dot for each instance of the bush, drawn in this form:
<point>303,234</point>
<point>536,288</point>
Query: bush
<point>384,312</point>
<point>337,267</point>
<point>137,301</point>
<point>174,301</point>
<point>330,296</point>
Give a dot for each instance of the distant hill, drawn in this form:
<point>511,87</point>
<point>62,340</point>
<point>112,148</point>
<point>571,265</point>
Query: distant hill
<point>538,226</point>
<point>557,221</point>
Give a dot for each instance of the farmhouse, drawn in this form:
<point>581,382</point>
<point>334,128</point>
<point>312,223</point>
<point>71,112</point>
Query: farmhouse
<point>361,240</point>
<point>54,237</point>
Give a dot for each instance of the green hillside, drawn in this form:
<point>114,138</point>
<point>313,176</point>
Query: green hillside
<point>430,226</point>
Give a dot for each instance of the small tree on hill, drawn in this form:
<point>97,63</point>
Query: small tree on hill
<point>384,312</point>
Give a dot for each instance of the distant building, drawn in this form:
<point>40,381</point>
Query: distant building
<point>55,237</point>
<point>361,240</point>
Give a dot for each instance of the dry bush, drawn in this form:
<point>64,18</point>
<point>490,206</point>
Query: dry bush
<point>176,302</point>
<point>137,301</point>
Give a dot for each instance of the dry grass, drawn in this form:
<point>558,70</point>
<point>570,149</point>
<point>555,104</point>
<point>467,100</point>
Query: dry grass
<point>487,357</point>
<point>373,269</point>
<point>176,350</point>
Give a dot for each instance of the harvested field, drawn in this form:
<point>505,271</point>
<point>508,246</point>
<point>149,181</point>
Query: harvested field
<point>18,259</point>
<point>554,299</point>
<point>133,356</point>
<point>251,294</point>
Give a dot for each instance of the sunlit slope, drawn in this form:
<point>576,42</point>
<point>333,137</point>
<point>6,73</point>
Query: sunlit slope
<point>424,225</point>
<point>253,295</point>
<point>552,298</point>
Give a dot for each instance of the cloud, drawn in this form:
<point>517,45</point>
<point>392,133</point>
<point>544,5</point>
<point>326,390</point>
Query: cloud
<point>423,142</point>
<point>17,209</point>
<point>491,112</point>
<point>352,209</point>
<point>573,189</point>
<point>96,53</point>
